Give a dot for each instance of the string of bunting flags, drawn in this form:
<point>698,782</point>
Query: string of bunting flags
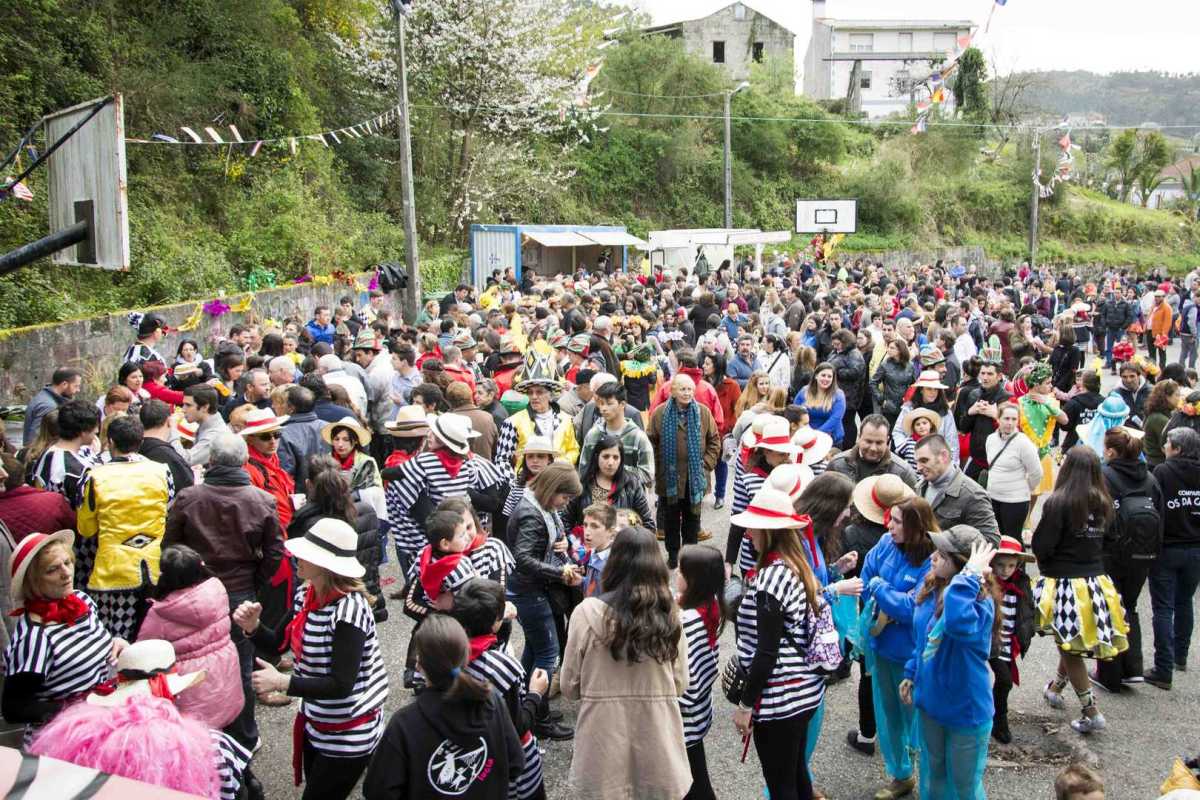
<point>1062,170</point>
<point>935,84</point>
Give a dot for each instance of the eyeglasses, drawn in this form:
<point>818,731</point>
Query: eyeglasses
<point>266,437</point>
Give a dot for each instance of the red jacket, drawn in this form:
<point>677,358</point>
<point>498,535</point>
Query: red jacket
<point>460,373</point>
<point>160,392</point>
<point>26,509</point>
<point>267,475</point>
<point>728,393</point>
<point>706,395</point>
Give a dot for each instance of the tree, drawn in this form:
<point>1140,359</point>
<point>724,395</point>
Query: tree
<point>1123,162</point>
<point>1154,155</point>
<point>1191,191</point>
<point>970,85</point>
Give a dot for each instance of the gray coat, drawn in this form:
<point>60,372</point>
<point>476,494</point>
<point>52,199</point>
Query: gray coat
<point>964,502</point>
<point>849,464</point>
<point>300,437</point>
<point>42,404</point>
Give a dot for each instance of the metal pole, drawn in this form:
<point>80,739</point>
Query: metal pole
<point>411,299</point>
<point>43,247</point>
<point>728,168</point>
<point>1036,199</point>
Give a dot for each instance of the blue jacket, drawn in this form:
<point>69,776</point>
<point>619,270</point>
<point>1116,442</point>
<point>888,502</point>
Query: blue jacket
<point>741,370</point>
<point>893,582</point>
<point>949,664</point>
<point>827,421</point>
<point>320,334</point>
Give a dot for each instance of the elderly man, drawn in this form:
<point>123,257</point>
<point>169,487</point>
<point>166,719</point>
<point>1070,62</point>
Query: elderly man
<point>262,434</point>
<point>201,408</point>
<point>955,498</point>
<point>234,528</point>
<point>281,370</point>
<point>334,373</point>
<point>64,384</point>
<point>685,436</point>
<point>370,354</point>
<point>872,456</point>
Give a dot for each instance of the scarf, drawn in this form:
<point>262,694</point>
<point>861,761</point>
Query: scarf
<point>710,615</point>
<point>223,475</point>
<point>433,571</point>
<point>480,644</point>
<point>451,461</point>
<point>696,477</point>
<point>1037,422</point>
<point>67,611</point>
<point>293,634</point>
<point>346,463</point>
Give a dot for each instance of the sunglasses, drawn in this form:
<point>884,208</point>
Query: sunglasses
<point>264,437</point>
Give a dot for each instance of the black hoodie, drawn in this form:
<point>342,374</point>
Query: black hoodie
<point>437,748</point>
<point>1179,480</point>
<point>1122,476</point>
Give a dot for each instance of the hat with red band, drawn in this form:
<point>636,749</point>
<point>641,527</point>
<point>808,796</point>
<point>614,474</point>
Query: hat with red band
<point>877,494</point>
<point>262,420</point>
<point>814,445</point>
<point>1013,547</point>
<point>26,553</point>
<point>770,509</point>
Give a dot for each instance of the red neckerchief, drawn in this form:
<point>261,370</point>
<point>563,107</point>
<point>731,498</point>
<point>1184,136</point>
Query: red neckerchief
<point>66,611</point>
<point>710,615</point>
<point>396,458</point>
<point>434,570</point>
<point>477,542</point>
<point>1005,587</point>
<point>346,463</point>
<point>760,472</point>
<point>157,683</point>
<point>479,644</point>
<point>451,460</point>
<point>768,559</point>
<point>293,634</point>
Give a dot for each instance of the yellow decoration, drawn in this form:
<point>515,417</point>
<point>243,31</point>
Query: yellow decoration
<point>243,305</point>
<point>193,321</point>
<point>517,331</point>
<point>322,280</point>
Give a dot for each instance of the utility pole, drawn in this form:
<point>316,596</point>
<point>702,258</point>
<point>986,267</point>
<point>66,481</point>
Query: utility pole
<point>1036,199</point>
<point>729,156</point>
<point>411,299</point>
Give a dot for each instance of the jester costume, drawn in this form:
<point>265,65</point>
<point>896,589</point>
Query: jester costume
<point>1038,420</point>
<point>639,371</point>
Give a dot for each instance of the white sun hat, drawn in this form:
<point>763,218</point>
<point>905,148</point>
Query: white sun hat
<point>454,431</point>
<point>137,665</point>
<point>330,544</point>
<point>770,509</point>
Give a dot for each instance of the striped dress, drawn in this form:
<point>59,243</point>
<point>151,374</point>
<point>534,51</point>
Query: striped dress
<point>424,472</point>
<point>696,704</point>
<point>72,659</point>
<point>232,760</point>
<point>136,353</point>
<point>507,676</point>
<point>793,687</point>
<point>370,685</point>
<point>746,484</point>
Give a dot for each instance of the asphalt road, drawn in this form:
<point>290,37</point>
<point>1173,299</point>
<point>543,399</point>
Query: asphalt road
<point>1147,728</point>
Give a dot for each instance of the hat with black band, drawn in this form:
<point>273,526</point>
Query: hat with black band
<point>330,544</point>
<point>453,430</point>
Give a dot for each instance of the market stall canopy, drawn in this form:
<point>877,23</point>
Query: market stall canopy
<point>720,237</point>
<point>616,239</point>
<point>559,238</point>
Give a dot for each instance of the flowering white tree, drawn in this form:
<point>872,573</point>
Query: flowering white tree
<point>494,87</point>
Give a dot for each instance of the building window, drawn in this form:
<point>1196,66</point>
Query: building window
<point>905,43</point>
<point>757,52</point>
<point>718,52</point>
<point>944,41</point>
<point>862,42</point>
<point>864,79</point>
<point>739,11</point>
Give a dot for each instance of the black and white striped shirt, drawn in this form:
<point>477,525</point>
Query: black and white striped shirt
<point>493,560</point>
<point>136,353</point>
<point>506,674</point>
<point>745,485</point>
<point>696,704</point>
<point>62,471</point>
<point>793,687</point>
<point>463,571</point>
<point>1008,625</point>
<point>424,473</point>
<point>370,685</point>
<point>72,659</point>
<point>232,760</point>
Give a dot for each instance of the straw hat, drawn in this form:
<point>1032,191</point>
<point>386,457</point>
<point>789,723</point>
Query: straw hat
<point>770,509</point>
<point>1011,547</point>
<point>453,430</point>
<point>814,445</point>
<point>755,431</point>
<point>791,479</point>
<point>330,544</point>
<point>262,420</point>
<point>26,554</point>
<point>187,430</point>
<point>878,493</point>
<point>364,435</point>
<point>929,379</point>
<point>409,422</point>
<point>935,419</point>
<point>776,435</point>
<point>137,664</point>
<point>540,444</point>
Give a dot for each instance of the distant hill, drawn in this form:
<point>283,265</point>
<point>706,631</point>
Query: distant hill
<point>1124,98</point>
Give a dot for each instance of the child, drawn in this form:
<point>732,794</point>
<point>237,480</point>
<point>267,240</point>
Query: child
<point>491,556</point>
<point>1078,782</point>
<point>701,586</point>
<point>1123,351</point>
<point>455,739</point>
<point>599,528</point>
<point>918,424</point>
<point>479,606</point>
<point>1016,628</point>
<point>947,675</point>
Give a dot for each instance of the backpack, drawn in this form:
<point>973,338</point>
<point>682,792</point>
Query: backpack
<point>1137,527</point>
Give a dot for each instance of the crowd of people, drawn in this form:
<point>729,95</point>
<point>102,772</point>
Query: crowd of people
<point>214,531</point>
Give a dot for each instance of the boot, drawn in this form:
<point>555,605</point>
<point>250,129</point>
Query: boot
<point>254,787</point>
<point>897,788</point>
<point>544,727</point>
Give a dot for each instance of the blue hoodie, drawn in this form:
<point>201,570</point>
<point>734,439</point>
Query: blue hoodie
<point>893,582</point>
<point>949,664</point>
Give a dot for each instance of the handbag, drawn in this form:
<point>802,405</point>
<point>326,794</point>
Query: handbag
<point>982,480</point>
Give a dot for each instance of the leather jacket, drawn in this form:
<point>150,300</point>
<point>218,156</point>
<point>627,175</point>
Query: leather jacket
<point>533,548</point>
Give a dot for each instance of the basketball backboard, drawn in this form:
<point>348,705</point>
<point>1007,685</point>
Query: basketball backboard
<point>87,183</point>
<point>826,216</point>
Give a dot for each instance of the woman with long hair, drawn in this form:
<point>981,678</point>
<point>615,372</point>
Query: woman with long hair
<point>957,623</point>
<point>1160,405</point>
<point>757,388</point>
<point>339,674</point>
<point>605,480</point>
<point>891,380</point>
<point>1076,601</point>
<point>891,573</point>
<point>542,452</point>
<point>1065,359</point>
<point>769,446</point>
<point>626,662</point>
<point>700,583</point>
<point>930,393</point>
<point>802,369</point>
<point>826,403</point>
<point>781,691</point>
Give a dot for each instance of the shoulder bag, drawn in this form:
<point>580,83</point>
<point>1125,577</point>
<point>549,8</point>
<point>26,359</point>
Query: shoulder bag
<point>982,480</point>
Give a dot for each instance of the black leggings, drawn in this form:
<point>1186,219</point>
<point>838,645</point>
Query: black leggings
<point>327,778</point>
<point>866,703</point>
<point>1010,517</point>
<point>780,744</point>
<point>1000,689</point>
<point>701,785</point>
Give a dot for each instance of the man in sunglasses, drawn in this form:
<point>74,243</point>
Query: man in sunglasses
<point>262,434</point>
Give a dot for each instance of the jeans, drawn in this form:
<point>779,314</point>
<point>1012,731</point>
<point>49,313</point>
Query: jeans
<point>1129,577</point>
<point>680,523</point>
<point>1187,351</point>
<point>244,727</point>
<point>720,478</point>
<point>1111,337</point>
<point>536,616</point>
<point>952,759</point>
<point>1173,581</point>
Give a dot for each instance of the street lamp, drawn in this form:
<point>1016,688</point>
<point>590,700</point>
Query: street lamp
<point>729,156</point>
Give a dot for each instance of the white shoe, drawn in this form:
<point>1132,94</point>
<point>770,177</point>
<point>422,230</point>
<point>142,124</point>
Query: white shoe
<point>1053,698</point>
<point>1086,724</point>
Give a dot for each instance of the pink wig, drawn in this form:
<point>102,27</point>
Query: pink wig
<point>145,739</point>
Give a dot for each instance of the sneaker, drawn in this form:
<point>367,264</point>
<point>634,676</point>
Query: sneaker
<point>1086,724</point>
<point>897,788</point>
<point>1155,678</point>
<point>859,743</point>
<point>553,731</point>
<point>1053,696</point>
<point>1133,680</point>
<point>1101,685</point>
<point>719,503</point>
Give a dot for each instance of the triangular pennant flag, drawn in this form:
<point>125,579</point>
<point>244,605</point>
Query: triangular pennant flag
<point>335,137</point>
<point>292,142</point>
<point>162,137</point>
<point>236,134</point>
<point>216,137</point>
<point>254,150</point>
<point>195,136</point>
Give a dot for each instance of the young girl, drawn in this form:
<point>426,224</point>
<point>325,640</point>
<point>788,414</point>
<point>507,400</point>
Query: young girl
<point>916,426</point>
<point>455,739</point>
<point>1016,628</point>
<point>768,450</point>
<point>701,586</point>
<point>954,622</point>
